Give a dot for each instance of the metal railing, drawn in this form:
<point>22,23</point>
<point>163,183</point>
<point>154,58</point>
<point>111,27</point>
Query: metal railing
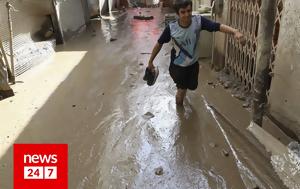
<point>241,60</point>
<point>17,29</point>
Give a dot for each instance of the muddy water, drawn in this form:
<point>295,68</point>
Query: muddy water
<point>99,110</point>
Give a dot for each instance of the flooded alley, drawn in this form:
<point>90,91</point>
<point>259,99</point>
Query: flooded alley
<point>121,133</point>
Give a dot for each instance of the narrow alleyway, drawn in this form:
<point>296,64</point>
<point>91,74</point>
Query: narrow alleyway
<point>120,131</point>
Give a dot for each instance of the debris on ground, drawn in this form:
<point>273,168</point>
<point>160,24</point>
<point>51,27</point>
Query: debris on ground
<point>159,171</point>
<point>246,105</point>
<point>148,115</point>
<point>112,39</point>
<point>143,17</point>
<point>240,97</point>
<point>225,153</point>
<point>295,147</point>
<point>6,94</point>
<point>145,53</point>
<point>212,84</point>
<point>213,145</point>
<point>95,16</point>
<point>226,85</point>
<point>74,105</point>
<point>236,87</point>
<point>141,64</point>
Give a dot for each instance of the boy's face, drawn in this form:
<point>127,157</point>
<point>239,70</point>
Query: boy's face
<point>185,14</point>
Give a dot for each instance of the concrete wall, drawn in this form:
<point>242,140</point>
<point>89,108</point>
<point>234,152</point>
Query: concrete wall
<point>219,44</point>
<point>93,7</point>
<point>285,87</point>
<point>197,3</point>
<point>205,2</point>
<point>71,15</point>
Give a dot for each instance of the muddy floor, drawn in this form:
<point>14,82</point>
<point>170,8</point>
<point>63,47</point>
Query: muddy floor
<point>125,134</point>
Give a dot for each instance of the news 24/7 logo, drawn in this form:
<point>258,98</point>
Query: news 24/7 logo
<point>40,166</point>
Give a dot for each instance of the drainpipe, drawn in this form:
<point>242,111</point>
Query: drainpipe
<point>213,16</point>
<point>264,47</point>
<point>2,52</point>
<point>57,23</point>
<point>3,76</point>
<point>110,6</point>
<point>9,7</point>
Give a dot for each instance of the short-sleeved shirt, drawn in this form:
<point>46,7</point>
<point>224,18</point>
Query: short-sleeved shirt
<point>185,50</point>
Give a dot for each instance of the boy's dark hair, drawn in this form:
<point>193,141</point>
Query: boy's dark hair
<point>178,4</point>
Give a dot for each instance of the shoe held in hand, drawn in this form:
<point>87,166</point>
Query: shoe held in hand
<point>151,76</point>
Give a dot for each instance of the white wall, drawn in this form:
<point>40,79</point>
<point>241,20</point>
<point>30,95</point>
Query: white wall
<point>71,17</point>
<point>285,87</point>
<point>93,7</point>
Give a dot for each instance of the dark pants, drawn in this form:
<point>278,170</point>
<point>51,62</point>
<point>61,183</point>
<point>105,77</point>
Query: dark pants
<point>185,77</point>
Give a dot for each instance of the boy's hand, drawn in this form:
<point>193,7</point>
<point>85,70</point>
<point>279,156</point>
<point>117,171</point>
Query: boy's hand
<point>239,37</point>
<point>151,67</point>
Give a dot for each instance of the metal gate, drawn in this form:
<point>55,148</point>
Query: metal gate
<point>26,21</point>
<point>241,60</point>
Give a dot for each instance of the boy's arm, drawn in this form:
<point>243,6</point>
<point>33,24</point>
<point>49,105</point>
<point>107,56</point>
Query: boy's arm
<point>155,51</point>
<point>211,26</point>
<point>164,38</point>
<point>227,29</point>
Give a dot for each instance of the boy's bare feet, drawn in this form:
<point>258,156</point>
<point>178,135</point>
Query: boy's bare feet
<point>180,95</point>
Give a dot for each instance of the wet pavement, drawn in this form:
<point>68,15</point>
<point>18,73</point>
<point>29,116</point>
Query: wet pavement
<point>125,134</point>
